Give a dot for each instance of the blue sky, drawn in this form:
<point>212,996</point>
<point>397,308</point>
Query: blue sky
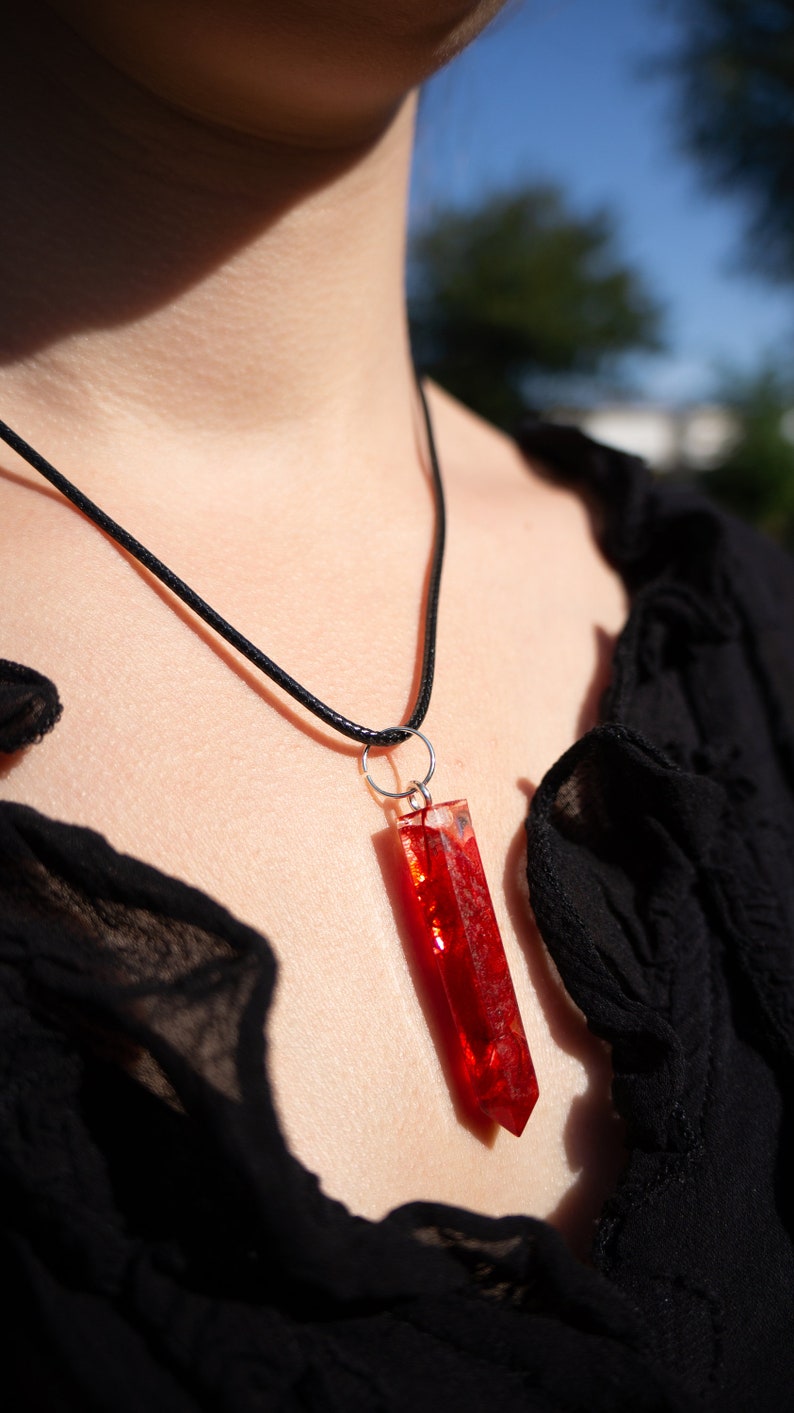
<point>556,90</point>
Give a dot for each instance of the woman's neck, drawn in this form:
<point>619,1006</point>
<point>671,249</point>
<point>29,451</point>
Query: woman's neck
<point>165,280</point>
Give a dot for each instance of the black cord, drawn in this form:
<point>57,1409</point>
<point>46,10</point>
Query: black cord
<point>366,735</point>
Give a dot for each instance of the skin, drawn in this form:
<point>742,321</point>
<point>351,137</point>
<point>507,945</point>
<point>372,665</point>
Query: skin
<point>306,73</point>
<point>202,279</point>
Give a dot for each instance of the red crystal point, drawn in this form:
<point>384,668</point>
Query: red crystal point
<point>457,913</point>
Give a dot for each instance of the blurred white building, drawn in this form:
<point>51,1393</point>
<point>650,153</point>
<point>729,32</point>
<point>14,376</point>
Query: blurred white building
<point>690,438</point>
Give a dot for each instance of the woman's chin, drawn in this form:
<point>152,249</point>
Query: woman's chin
<point>326,73</point>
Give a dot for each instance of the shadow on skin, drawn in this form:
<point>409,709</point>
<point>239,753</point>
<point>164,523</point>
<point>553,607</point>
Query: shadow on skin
<point>593,1133</point>
<point>10,762</point>
<point>591,713</point>
<point>48,226</point>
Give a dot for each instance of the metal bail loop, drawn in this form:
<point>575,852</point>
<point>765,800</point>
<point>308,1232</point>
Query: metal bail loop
<point>416,786</point>
<point>422,791</point>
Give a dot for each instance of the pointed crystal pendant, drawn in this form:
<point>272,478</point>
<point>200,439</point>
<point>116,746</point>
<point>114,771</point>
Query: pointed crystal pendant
<point>458,917</point>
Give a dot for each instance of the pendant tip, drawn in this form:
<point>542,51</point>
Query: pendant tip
<point>513,1114</point>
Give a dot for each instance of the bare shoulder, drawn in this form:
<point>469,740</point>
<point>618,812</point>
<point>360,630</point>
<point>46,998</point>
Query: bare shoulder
<point>493,482</point>
<point>490,465</point>
<point>478,448</point>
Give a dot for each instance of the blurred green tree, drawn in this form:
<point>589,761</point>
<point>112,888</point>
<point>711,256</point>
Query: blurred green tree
<point>735,68</point>
<point>519,290</point>
<point>734,63</point>
<point>756,477</point>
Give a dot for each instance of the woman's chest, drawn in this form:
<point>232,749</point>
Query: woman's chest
<point>180,757</point>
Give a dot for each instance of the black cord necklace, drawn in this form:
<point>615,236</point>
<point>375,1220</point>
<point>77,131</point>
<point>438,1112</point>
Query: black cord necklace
<point>453,910</point>
<point>365,735</point>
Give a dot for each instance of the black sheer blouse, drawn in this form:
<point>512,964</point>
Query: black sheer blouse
<point>162,1250</point>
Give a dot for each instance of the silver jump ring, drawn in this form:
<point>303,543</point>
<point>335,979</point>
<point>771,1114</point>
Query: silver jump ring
<point>415,785</point>
<point>420,789</point>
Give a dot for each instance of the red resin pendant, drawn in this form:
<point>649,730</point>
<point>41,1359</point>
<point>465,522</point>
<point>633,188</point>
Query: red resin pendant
<point>457,913</point>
